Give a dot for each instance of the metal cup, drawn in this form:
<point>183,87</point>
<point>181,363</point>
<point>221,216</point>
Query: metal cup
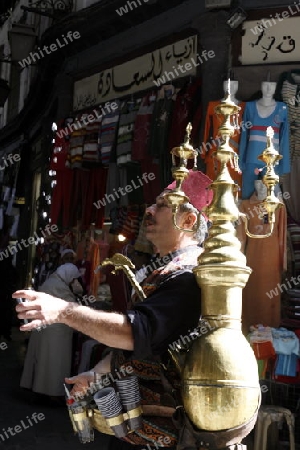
<point>130,397</point>
<point>110,407</point>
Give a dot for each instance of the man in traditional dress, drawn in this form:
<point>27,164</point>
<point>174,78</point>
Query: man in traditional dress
<point>141,338</point>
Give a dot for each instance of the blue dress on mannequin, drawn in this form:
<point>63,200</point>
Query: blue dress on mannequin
<point>253,142</point>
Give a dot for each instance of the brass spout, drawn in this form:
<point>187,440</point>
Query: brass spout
<point>121,262</point>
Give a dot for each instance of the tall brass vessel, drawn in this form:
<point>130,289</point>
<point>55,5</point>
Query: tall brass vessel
<point>220,378</point>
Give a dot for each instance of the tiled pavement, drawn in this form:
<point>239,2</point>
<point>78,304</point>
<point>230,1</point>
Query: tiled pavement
<point>54,432</point>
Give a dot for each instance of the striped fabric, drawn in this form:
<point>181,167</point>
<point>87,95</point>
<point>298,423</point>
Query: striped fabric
<point>91,154</point>
<point>76,145</point>
<point>125,132</point>
<point>291,96</point>
<point>108,132</point>
<point>294,232</point>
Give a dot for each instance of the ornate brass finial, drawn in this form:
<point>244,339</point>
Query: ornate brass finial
<point>177,196</point>
<point>271,157</point>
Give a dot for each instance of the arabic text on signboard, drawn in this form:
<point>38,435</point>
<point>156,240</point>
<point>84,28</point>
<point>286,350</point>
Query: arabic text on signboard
<point>266,42</point>
<point>133,76</point>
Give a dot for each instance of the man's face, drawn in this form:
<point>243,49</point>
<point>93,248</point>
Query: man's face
<point>158,223</point>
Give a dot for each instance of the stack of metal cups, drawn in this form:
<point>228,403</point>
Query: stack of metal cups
<point>130,397</point>
<point>111,404</point>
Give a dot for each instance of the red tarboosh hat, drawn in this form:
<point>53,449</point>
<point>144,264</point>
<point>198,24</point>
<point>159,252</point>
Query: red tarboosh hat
<point>195,186</point>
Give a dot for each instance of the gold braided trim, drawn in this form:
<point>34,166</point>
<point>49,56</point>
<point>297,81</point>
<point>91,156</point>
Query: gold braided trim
<point>133,413</point>
<point>101,424</point>
<point>114,421</point>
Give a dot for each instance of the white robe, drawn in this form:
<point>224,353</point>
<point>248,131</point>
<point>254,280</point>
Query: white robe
<point>49,354</point>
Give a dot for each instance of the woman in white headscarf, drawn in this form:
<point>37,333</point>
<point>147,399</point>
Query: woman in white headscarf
<point>49,354</point>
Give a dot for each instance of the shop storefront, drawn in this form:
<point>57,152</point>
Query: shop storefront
<point>101,152</point>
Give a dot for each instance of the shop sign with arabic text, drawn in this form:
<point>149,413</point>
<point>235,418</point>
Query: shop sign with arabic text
<point>270,41</point>
<point>135,75</point>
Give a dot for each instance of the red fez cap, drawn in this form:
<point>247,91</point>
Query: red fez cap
<point>195,186</point>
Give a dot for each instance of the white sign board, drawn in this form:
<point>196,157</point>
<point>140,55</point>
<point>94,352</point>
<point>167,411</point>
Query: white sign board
<point>138,74</point>
<point>271,40</point>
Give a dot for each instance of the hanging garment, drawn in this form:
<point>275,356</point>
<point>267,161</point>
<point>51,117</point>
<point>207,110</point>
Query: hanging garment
<point>91,152</point>
<point>254,141</point>
<point>294,233</point>
<point>63,186</point>
<point>95,191</point>
<point>211,141</point>
<point>261,341</point>
<point>76,144</point>
<point>291,96</point>
<point>286,345</point>
<point>108,133</point>
<point>61,197</point>
<point>267,259</point>
<point>160,128</point>
<point>125,132</point>
<point>141,132</point>
<point>61,147</point>
<point>185,107</point>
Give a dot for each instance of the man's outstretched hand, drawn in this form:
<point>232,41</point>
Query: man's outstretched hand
<point>40,308</point>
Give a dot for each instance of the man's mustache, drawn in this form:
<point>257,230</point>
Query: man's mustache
<point>149,220</point>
